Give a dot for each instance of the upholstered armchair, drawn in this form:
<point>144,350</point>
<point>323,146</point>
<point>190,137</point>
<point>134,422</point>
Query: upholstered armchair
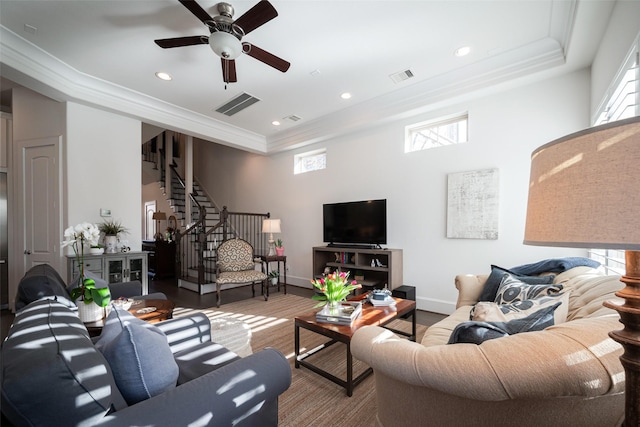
<point>236,267</point>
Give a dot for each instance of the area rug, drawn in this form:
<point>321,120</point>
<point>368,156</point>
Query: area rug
<point>311,400</point>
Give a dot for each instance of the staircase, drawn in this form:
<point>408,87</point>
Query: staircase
<point>198,237</point>
<point>192,246</point>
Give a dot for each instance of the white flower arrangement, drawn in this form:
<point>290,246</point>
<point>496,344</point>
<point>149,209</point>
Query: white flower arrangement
<point>82,233</point>
<point>77,237</point>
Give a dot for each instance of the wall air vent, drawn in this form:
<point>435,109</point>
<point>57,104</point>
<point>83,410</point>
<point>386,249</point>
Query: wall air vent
<point>401,76</point>
<point>237,104</point>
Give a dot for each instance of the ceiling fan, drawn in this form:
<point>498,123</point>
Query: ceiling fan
<point>225,37</point>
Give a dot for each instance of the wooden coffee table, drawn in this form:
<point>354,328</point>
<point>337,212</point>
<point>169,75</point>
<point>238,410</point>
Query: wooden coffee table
<point>152,310</point>
<point>378,316</point>
<point>149,310</point>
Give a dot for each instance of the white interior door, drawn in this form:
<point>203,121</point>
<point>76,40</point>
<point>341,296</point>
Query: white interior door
<point>149,226</point>
<point>37,216</point>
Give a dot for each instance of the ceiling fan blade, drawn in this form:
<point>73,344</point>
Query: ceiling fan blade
<point>182,41</point>
<point>229,70</point>
<point>266,57</point>
<point>197,10</point>
<point>258,15</point>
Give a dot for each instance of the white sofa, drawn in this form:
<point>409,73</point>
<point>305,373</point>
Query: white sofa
<point>566,375</point>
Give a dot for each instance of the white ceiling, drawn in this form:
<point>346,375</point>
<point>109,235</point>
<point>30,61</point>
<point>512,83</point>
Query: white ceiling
<point>102,53</point>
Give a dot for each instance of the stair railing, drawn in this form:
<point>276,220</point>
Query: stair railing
<point>196,246</point>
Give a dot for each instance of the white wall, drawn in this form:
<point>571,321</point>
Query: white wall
<point>504,129</point>
<point>103,169</point>
<point>623,29</point>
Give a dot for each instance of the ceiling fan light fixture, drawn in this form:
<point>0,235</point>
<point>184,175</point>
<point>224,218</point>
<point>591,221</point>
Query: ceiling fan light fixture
<point>225,45</point>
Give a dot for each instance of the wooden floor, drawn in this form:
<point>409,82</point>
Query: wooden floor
<point>186,298</point>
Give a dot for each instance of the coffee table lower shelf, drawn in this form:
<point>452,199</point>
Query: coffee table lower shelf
<point>379,316</point>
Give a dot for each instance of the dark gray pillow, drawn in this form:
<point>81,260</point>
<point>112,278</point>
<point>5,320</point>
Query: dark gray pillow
<point>39,281</point>
<point>490,288</point>
<point>45,363</point>
<point>139,355</point>
<point>479,332</point>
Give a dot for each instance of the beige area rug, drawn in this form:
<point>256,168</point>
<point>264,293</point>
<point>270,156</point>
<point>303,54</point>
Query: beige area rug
<point>311,400</point>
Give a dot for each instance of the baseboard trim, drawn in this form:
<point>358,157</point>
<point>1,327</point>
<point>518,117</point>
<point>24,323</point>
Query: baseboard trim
<point>207,288</point>
<point>435,306</point>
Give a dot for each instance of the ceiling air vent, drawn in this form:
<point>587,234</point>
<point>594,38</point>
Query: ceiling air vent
<point>237,104</point>
<point>293,118</point>
<point>401,76</point>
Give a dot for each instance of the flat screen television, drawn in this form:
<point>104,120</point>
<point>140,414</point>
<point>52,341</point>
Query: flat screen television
<point>355,223</point>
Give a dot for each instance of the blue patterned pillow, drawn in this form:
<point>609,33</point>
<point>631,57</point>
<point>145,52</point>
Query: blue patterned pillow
<point>512,290</point>
<point>492,284</point>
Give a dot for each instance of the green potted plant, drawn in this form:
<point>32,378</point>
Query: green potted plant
<point>273,276</point>
<point>111,229</point>
<point>279,248</point>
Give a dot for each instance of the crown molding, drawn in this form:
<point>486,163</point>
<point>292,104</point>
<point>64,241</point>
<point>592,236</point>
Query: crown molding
<point>32,67</point>
<point>424,96</point>
<point>36,69</point>
<point>420,97</point>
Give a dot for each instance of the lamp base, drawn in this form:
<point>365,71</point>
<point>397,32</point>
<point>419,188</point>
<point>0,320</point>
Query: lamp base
<point>272,247</point>
<point>629,337</point>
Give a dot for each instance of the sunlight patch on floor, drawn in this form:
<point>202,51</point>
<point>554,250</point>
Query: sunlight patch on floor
<point>256,323</point>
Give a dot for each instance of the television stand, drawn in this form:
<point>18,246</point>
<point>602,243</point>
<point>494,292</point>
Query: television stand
<point>353,246</point>
<point>361,262</point>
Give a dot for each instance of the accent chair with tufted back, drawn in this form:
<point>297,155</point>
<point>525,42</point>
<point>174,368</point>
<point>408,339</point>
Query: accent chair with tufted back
<point>236,267</point>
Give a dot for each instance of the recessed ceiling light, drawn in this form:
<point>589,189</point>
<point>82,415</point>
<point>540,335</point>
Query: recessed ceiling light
<point>463,51</point>
<point>164,76</point>
<point>345,95</point>
<point>275,123</point>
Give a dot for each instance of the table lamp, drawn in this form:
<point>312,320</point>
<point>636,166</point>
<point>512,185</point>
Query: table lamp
<point>159,216</point>
<point>271,226</point>
<point>584,192</point>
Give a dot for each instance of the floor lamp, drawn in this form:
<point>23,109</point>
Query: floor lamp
<point>584,192</point>
<point>159,216</point>
<point>271,226</point>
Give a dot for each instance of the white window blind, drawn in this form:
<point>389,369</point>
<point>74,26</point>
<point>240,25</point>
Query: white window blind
<point>310,161</point>
<point>436,133</point>
<point>622,102</point>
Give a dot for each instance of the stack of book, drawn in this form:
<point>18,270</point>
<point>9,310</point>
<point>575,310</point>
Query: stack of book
<point>347,313</point>
<point>382,302</point>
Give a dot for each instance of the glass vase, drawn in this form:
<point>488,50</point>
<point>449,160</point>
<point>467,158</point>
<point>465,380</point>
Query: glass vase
<point>334,308</point>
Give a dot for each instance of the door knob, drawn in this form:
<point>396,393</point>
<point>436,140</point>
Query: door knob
<point>27,252</point>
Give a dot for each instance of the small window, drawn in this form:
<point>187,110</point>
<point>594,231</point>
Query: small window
<point>437,133</point>
<point>310,161</point>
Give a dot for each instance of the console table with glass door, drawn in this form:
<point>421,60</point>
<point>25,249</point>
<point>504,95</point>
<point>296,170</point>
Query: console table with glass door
<point>114,268</point>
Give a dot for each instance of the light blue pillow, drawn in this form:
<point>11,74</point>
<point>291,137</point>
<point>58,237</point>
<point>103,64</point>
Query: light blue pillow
<point>139,356</point>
